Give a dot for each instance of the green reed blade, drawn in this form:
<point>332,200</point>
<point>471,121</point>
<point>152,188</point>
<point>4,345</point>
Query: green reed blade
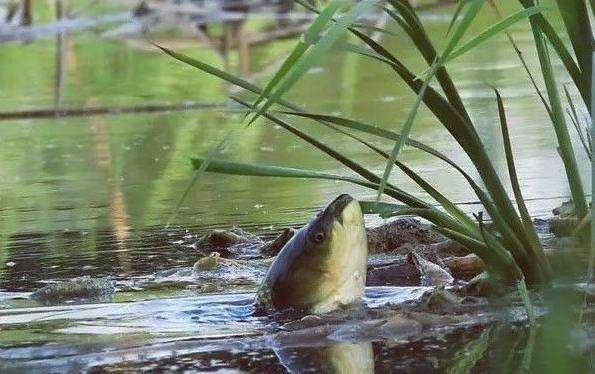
<point>422,42</point>
<point>448,205</point>
<point>393,191</point>
<point>539,22</point>
<point>576,19</point>
<point>315,53</point>
<point>519,54</point>
<point>559,122</point>
<point>573,115</point>
<point>493,30</point>
<point>313,31</point>
<point>387,210</point>
<point>536,249</point>
<point>524,293</point>
<point>406,129</point>
<point>461,4</point>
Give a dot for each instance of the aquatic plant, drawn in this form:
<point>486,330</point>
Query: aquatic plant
<point>509,245</point>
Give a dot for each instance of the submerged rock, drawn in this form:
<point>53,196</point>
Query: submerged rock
<point>214,261</point>
<point>566,222</point>
<point>420,266</point>
<point>83,288</point>
<point>400,272</point>
<point>562,227</point>
<point>565,210</point>
<point>430,274</point>
<point>441,301</point>
<point>274,246</point>
<point>392,235</point>
<point>208,262</point>
<point>482,285</point>
<point>465,267</point>
<point>230,243</point>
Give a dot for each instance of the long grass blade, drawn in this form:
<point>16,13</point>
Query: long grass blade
<point>579,131</point>
<point>392,191</point>
<point>493,30</point>
<point>326,42</point>
<point>356,25</point>
<point>573,115</point>
<point>559,122</point>
<point>448,205</point>
<point>576,19</point>
<point>539,22</point>
<point>407,126</point>
<point>519,54</point>
<point>313,32</point>
<point>258,170</point>
<point>525,297</point>
<point>461,4</point>
<point>197,174</point>
<point>411,24</point>
<point>387,210</point>
<point>536,249</point>
<point>474,8</point>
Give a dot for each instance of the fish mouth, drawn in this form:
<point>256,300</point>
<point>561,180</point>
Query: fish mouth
<point>335,209</point>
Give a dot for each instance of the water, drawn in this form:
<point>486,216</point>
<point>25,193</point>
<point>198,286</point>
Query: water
<point>91,196</point>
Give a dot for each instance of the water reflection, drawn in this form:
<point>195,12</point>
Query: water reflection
<point>502,348</point>
<point>336,358</point>
<point>219,331</point>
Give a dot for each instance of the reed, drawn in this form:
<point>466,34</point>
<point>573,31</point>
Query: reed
<point>509,246</point>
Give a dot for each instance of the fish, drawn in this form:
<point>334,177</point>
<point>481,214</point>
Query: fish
<point>322,268</point>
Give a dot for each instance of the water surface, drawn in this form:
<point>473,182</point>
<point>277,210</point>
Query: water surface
<point>92,195</point>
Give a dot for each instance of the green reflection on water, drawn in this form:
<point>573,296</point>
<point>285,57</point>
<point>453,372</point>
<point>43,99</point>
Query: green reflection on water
<point>125,173</point>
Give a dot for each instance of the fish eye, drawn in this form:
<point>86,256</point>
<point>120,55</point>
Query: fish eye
<point>319,237</point>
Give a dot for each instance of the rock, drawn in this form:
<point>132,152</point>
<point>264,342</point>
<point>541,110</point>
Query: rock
<point>420,266</point>
<point>230,243</point>
<point>399,273</point>
<point>542,226</point>
<point>441,301</point>
<point>274,246</point>
<point>224,238</point>
<point>483,286</point>
<point>214,261</point>
<point>449,248</point>
<point>565,210</point>
<point>431,274</point>
<point>562,227</point>
<point>394,234</point>
<point>465,267</point>
<point>87,288</point>
<point>207,263</point>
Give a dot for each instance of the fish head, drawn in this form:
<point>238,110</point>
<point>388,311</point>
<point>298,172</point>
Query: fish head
<point>324,265</point>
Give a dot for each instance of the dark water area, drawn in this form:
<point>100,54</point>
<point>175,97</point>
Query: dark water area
<point>93,196</point>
